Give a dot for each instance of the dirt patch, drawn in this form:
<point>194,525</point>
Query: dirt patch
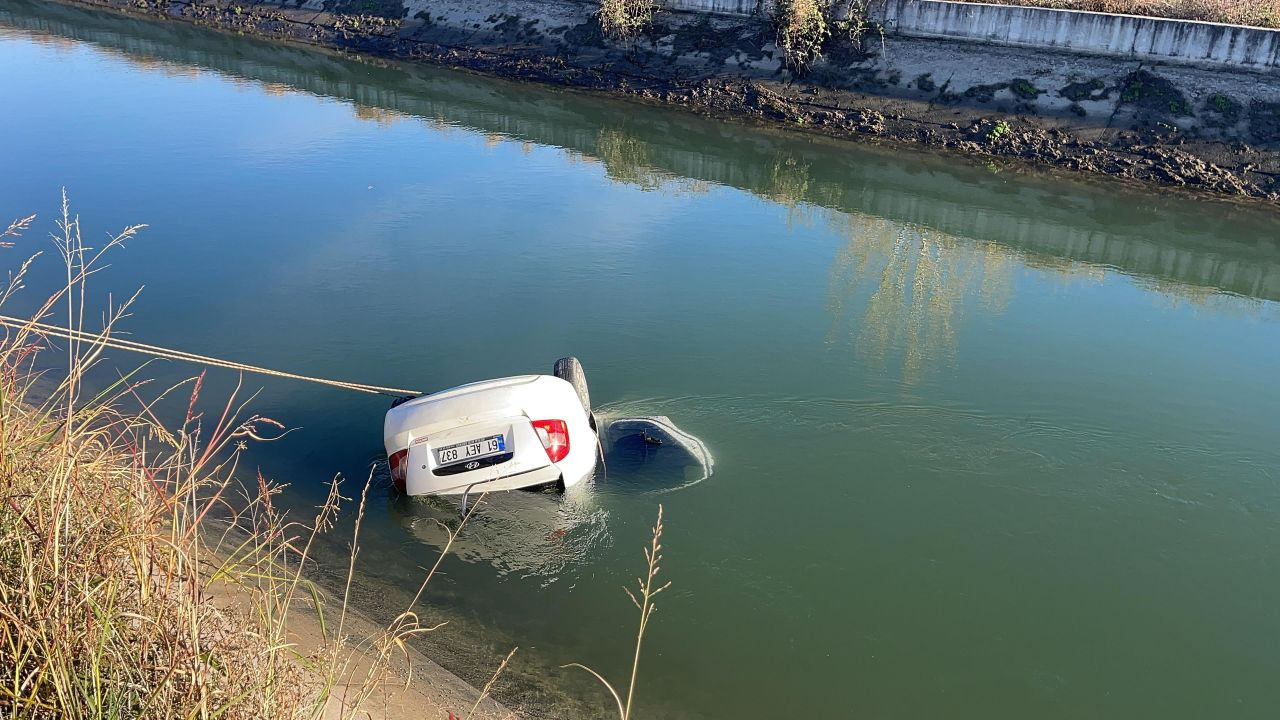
<point>585,35</point>
<point>1223,106</point>
<point>983,93</point>
<point>1094,89</point>
<point>514,28</point>
<point>1220,112</point>
<point>1264,123</point>
<point>847,43</point>
<point>717,42</point>
<point>394,9</point>
<point>1024,89</point>
<point>1153,95</point>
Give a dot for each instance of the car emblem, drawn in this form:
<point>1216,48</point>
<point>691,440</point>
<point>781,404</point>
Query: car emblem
<point>472,465</point>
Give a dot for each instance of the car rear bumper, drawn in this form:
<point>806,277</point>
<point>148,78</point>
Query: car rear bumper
<point>426,483</point>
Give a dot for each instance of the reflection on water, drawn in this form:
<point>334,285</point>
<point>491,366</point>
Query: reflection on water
<point>919,282</point>
<point>626,160</point>
<point>381,116</point>
<point>788,185</point>
<point>528,534</point>
<point>911,286</point>
<point>1152,238</point>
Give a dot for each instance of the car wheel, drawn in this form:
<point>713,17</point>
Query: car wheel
<point>570,370</point>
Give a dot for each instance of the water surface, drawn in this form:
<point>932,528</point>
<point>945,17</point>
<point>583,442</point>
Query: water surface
<point>988,444</point>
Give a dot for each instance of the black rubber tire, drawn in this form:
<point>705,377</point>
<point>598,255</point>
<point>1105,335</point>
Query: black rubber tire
<point>570,370</point>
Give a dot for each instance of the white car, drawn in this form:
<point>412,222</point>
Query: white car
<point>507,434</point>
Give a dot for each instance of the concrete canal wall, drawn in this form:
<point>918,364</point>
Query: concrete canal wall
<point>1087,32</point>
<point>1127,36</point>
<point>719,7</point>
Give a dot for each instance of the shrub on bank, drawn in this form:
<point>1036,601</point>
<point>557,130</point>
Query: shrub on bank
<point>810,29</point>
<point>625,18</point>
<point>802,30</point>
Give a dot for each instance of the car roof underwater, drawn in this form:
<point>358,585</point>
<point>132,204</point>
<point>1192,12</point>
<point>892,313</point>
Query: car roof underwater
<point>653,450</point>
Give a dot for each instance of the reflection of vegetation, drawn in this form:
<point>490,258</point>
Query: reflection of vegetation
<point>919,283</point>
<point>439,125</point>
<point>626,159</point>
<point>379,115</point>
<point>1065,268</point>
<point>1175,295</point>
<point>912,287</point>
<point>788,184</point>
<point>788,181</point>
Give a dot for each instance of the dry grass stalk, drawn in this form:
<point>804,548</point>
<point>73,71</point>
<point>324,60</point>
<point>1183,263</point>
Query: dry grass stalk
<point>16,228</point>
<point>107,568</point>
<point>488,687</point>
<point>648,589</point>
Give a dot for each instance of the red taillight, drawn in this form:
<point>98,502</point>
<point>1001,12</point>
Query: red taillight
<point>399,462</point>
<point>554,435</point>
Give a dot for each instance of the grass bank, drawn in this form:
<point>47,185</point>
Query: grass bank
<point>139,577</point>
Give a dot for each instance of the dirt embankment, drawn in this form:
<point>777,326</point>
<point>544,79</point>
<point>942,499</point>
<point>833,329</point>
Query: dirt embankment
<point>1213,130</point>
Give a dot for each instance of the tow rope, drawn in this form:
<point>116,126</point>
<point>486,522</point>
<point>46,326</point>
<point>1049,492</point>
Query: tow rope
<point>168,354</point>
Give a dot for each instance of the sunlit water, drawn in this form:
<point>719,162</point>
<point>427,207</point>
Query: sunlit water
<point>987,445</point>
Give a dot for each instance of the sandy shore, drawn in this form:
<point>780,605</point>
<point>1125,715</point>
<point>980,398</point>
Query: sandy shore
<point>412,686</point>
<point>415,688</point>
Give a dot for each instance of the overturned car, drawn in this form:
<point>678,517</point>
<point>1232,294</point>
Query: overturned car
<point>520,432</point>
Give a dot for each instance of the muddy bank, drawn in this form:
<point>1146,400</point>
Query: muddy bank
<point>1210,130</point>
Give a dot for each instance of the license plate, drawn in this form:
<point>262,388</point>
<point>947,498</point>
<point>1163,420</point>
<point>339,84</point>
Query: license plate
<point>470,450</point>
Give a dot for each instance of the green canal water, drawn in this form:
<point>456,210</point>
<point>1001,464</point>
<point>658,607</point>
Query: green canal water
<point>988,444</point>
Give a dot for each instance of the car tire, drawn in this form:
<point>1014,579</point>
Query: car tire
<point>570,370</point>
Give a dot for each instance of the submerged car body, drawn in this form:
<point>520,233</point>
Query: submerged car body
<point>505,434</point>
